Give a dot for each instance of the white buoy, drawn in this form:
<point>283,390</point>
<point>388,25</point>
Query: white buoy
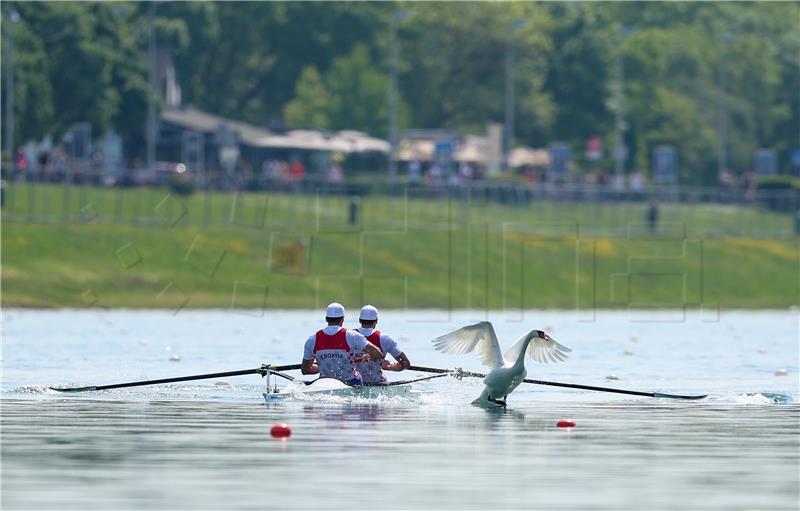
<point>612,377</point>
<point>175,358</point>
<point>167,348</point>
<point>781,372</point>
<point>762,350</point>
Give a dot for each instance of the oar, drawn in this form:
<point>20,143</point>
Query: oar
<point>459,373</point>
<point>260,370</point>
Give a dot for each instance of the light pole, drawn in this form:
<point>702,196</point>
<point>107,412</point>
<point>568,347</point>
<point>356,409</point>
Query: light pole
<point>508,132</point>
<point>722,106</point>
<point>13,17</point>
<point>151,105</point>
<point>397,17</point>
<point>620,151</point>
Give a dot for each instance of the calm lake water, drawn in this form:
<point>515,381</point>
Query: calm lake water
<point>207,444</point>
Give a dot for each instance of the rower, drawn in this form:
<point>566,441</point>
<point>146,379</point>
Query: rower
<point>371,371</point>
<point>331,351</point>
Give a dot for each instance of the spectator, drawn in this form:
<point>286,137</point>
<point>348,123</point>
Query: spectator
<point>270,170</point>
<point>726,180</point>
<point>637,182</point>
<point>465,171</point>
<point>602,178</point>
<point>335,173</point>
<point>434,175</point>
<point>652,216</point>
<point>59,158</point>
<point>283,174</point>
<point>618,183</point>
<point>297,171</point>
<point>414,172</point>
<point>454,179</point>
<point>530,175</point>
<point>749,184</point>
<point>41,161</point>
<point>21,162</point>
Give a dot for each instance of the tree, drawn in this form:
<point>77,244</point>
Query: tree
<point>312,104</point>
<point>77,62</point>
<point>456,73</point>
<point>360,93</point>
<point>581,65</point>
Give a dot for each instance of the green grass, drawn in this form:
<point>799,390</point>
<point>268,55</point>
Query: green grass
<point>93,247</point>
<point>97,265</point>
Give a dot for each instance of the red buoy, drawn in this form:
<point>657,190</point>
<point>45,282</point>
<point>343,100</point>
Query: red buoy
<point>281,431</point>
<point>565,423</point>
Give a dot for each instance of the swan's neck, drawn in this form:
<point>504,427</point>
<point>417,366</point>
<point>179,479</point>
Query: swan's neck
<point>520,361</point>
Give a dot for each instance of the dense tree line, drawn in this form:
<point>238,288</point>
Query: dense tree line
<point>326,65</point>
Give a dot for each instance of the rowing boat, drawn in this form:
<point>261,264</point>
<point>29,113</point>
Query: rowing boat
<point>326,387</point>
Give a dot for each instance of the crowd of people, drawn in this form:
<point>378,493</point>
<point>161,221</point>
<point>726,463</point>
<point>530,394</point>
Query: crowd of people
<point>55,165</point>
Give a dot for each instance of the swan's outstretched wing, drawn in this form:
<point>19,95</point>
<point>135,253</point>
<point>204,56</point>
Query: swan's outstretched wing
<point>544,349</point>
<point>479,337</point>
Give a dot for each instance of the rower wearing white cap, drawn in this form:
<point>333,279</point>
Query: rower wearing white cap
<point>371,371</point>
<point>331,352</point>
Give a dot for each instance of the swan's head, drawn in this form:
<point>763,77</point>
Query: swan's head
<point>533,335</point>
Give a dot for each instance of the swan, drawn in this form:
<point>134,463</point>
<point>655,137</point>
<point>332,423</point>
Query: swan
<point>508,369</point>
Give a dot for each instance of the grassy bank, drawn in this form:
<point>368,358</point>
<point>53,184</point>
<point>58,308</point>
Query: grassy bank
<point>308,264</point>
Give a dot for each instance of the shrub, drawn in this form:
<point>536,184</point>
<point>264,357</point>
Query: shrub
<point>180,185</point>
<point>780,193</point>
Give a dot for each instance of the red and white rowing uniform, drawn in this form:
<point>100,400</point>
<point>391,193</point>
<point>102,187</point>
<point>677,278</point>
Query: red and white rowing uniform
<point>335,349</point>
<point>371,371</point>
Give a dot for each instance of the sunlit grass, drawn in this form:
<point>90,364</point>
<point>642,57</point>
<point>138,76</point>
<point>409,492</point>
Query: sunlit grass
<point>86,265</point>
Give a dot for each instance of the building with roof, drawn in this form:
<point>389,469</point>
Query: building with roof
<point>205,141</point>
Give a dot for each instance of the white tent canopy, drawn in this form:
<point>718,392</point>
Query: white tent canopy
<point>310,140</point>
<point>521,156</point>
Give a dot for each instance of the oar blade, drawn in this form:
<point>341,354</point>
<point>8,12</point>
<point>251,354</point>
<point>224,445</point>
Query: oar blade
<point>678,396</point>
<point>73,389</point>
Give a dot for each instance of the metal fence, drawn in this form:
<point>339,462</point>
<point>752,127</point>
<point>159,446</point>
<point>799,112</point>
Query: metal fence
<point>587,210</point>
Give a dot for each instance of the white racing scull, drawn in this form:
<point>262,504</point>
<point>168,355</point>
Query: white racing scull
<point>324,387</point>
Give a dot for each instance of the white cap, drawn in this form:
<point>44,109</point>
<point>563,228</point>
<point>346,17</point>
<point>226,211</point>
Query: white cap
<point>334,310</point>
<point>368,313</point>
